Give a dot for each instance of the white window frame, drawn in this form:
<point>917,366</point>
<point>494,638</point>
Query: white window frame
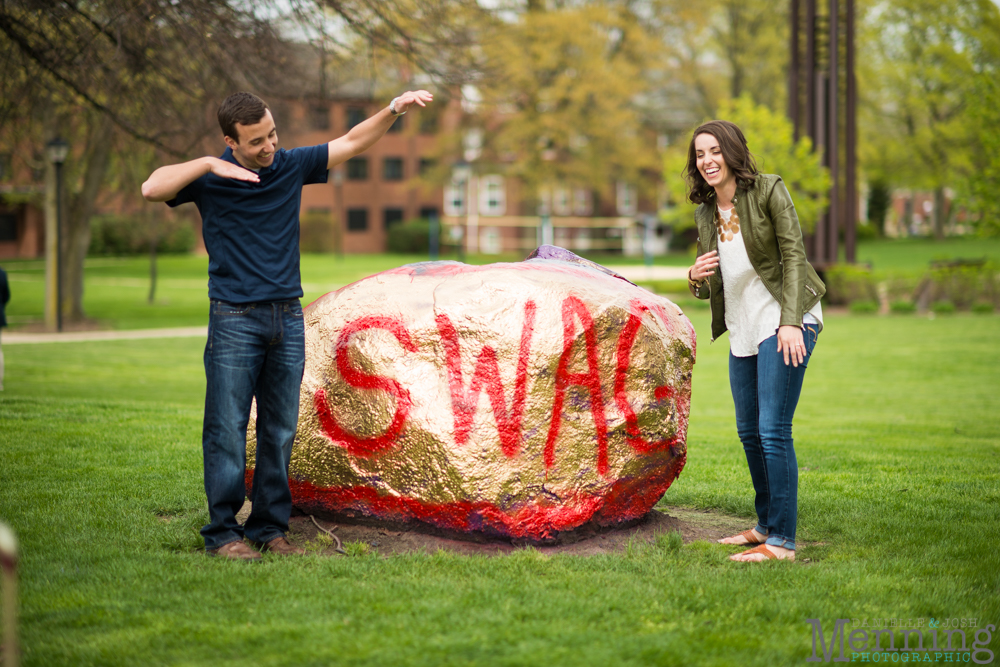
<point>561,201</point>
<point>626,200</point>
<point>492,195</point>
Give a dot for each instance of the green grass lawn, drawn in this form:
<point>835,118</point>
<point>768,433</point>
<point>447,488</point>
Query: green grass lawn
<point>117,288</point>
<point>899,450</point>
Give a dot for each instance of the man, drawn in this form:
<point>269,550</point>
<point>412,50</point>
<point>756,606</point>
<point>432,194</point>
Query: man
<point>249,202</point>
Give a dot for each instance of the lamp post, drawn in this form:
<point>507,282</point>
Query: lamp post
<point>57,150</point>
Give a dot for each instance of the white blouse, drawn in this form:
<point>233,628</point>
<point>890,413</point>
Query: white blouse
<point>752,314</point>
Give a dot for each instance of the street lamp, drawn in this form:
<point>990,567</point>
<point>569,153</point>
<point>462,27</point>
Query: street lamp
<point>57,150</point>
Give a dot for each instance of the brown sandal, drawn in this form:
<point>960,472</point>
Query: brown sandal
<point>747,535</point>
<point>760,549</point>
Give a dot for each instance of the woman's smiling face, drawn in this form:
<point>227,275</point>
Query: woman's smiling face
<point>710,163</point>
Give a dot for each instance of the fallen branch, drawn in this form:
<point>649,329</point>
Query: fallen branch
<point>339,548</point>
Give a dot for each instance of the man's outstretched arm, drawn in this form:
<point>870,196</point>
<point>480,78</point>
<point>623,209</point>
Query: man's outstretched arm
<point>164,183</point>
<point>363,135</point>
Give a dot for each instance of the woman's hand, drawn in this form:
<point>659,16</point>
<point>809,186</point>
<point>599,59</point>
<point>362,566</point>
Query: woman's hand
<point>704,266</point>
<point>790,342</point>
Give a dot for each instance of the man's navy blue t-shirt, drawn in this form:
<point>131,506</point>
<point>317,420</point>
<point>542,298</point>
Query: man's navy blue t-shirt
<point>251,230</point>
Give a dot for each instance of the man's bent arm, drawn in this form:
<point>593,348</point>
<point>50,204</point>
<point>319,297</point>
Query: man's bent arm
<point>363,135</point>
<point>164,183</point>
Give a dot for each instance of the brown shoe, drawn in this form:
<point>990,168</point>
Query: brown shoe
<point>239,550</point>
<point>280,546</point>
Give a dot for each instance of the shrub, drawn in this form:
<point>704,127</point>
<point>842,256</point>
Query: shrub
<point>961,283</point>
<point>902,307</point>
<point>863,307</point>
<point>943,307</point>
<point>982,307</point>
<point>318,232</point>
<point>846,283</point>
<point>133,234</point>
<point>410,238</point>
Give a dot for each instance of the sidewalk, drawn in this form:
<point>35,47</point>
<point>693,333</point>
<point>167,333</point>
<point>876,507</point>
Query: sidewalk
<point>82,336</point>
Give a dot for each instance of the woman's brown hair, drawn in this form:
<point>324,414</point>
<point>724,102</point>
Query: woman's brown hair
<point>734,151</point>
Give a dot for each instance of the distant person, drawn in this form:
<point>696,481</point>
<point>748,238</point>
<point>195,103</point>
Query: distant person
<point>249,202</point>
<point>4,298</point>
<point>768,297</point>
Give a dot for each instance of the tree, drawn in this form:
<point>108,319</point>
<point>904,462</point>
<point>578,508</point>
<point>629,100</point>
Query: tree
<point>104,74</point>
<point>921,74</point>
<point>770,137</point>
<point>562,106</point>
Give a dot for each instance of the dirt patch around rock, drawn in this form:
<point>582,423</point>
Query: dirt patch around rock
<point>692,524</point>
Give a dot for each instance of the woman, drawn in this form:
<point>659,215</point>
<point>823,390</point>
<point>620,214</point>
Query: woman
<point>767,296</point>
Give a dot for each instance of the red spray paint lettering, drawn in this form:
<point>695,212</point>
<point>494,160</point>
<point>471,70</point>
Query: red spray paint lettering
<point>623,361</point>
<point>356,445</point>
<point>573,308</point>
<point>487,373</point>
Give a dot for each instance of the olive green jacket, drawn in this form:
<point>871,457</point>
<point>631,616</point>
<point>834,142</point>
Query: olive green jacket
<point>774,244</point>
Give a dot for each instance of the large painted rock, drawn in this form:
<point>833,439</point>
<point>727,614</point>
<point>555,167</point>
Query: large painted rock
<point>518,400</point>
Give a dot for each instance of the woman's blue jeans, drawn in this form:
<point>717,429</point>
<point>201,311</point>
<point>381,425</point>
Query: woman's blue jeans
<point>253,349</point>
<point>766,392</point>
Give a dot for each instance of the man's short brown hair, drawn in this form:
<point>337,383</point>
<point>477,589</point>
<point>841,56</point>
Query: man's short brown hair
<point>242,108</point>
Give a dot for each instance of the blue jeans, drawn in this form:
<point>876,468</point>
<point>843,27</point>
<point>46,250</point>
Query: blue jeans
<point>766,392</point>
<point>253,349</point>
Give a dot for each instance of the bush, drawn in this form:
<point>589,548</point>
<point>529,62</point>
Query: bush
<point>983,307</point>
<point>902,307</point>
<point>847,283</point>
<point>943,307</point>
<point>318,232</point>
<point>410,238</point>
<point>961,283</point>
<point>864,307</point>
<point>133,235</point>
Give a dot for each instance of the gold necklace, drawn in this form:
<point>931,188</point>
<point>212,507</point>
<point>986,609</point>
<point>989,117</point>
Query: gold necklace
<point>725,229</point>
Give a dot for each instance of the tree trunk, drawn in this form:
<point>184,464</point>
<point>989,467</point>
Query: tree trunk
<point>939,213</point>
<point>81,207</point>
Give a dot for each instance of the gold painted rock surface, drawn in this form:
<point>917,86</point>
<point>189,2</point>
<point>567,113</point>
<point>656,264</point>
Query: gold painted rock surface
<point>516,400</point>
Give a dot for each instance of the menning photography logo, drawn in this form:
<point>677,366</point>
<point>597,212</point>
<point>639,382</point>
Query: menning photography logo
<point>897,640</point>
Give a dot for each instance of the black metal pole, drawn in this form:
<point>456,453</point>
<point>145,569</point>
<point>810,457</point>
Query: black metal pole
<point>833,145</point>
<point>59,253</point>
<point>851,156</point>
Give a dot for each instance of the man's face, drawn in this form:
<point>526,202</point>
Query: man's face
<point>256,143</point>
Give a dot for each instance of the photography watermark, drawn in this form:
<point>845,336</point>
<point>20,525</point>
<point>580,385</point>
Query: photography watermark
<point>882,640</point>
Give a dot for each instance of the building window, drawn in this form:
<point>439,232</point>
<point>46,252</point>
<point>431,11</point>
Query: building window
<point>319,117</point>
<point>627,201</point>
<point>357,219</point>
<point>491,195</point>
<point>357,169</point>
<point>583,203</point>
<point>429,119</point>
<point>426,165</point>
<point>397,126</point>
<point>8,227</point>
<point>455,192</point>
<point>392,216</point>
<point>560,201</point>
<point>355,116</point>
<point>428,212</point>
<point>392,169</point>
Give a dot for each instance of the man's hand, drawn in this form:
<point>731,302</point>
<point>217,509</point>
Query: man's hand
<point>164,183</point>
<point>233,171</point>
<point>409,98</point>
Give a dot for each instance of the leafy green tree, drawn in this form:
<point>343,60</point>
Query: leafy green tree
<point>770,137</point>
<point>923,63</point>
<point>562,106</point>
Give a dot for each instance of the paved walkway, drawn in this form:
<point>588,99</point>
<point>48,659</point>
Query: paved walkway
<point>81,336</point>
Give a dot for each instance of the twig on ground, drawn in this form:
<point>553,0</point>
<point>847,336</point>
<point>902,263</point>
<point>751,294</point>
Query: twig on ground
<point>340,547</point>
